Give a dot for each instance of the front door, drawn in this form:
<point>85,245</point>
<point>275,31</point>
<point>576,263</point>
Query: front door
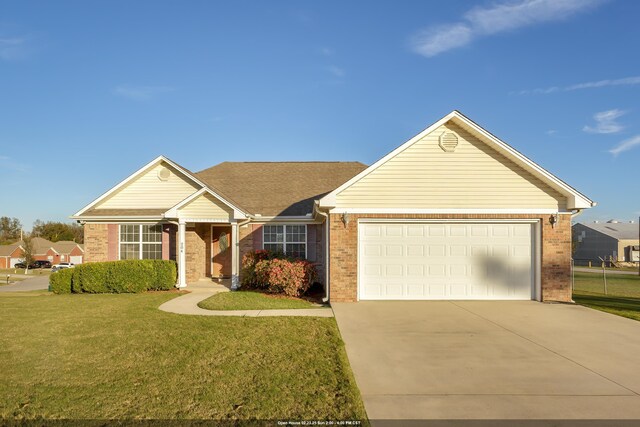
<point>221,251</point>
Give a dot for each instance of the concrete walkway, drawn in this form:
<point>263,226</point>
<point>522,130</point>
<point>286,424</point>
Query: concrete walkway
<point>35,283</point>
<point>188,304</point>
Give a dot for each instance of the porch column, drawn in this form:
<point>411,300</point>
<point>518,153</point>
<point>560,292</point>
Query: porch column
<point>182,273</point>
<point>235,257</point>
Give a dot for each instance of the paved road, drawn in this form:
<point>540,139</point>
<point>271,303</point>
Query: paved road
<point>491,360</point>
<point>32,284</point>
<point>599,270</point>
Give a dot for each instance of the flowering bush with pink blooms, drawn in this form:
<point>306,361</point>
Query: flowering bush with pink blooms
<point>276,274</point>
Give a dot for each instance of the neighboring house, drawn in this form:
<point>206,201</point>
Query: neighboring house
<point>43,250</point>
<point>613,240</point>
<point>453,213</point>
<point>10,255</point>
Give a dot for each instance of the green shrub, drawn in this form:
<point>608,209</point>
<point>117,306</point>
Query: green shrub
<point>166,275</point>
<point>60,281</point>
<point>91,278</point>
<point>127,276</point>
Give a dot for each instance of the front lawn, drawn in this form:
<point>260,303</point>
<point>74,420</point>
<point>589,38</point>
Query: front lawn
<point>623,293</point>
<point>117,356</point>
<point>251,300</point>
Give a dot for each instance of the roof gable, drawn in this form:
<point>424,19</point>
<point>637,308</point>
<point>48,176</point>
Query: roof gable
<point>455,164</point>
<point>169,182</point>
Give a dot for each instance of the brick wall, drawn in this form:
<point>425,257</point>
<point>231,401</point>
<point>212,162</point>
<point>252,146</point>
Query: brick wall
<point>555,255</point>
<point>96,246</point>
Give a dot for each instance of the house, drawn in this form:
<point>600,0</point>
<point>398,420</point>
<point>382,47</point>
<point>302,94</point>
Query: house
<point>613,240</point>
<point>43,250</point>
<point>453,213</point>
<point>10,255</point>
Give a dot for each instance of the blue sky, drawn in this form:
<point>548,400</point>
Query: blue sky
<point>91,91</point>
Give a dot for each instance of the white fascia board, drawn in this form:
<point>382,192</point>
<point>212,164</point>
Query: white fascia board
<point>173,212</point>
<point>575,199</point>
<point>285,219</point>
<point>440,211</point>
<point>117,219</point>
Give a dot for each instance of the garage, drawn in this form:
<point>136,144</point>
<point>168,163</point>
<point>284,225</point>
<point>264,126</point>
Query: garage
<point>446,260</point>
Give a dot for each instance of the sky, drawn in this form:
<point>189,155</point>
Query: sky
<point>90,91</point>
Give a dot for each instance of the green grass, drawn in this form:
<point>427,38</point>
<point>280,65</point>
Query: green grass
<point>250,300</point>
<point>118,356</point>
<point>623,293</point>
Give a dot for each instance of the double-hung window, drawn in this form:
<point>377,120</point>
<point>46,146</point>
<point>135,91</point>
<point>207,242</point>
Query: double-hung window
<point>288,239</point>
<point>140,241</point>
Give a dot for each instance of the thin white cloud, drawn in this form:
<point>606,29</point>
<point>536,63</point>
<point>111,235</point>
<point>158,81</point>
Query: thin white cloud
<point>327,51</point>
<point>551,132</point>
<point>8,163</point>
<point>496,18</point>
<point>627,81</point>
<point>141,93</point>
<point>13,48</point>
<point>606,122</point>
<point>625,145</point>
<point>336,71</point>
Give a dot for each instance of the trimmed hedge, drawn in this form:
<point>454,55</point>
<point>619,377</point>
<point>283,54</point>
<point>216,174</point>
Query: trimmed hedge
<point>60,281</point>
<point>128,276</point>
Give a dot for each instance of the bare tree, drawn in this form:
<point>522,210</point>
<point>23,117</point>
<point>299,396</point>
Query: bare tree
<point>27,252</point>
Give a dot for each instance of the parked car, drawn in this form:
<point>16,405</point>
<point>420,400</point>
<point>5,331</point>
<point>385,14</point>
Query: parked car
<point>62,265</point>
<point>41,264</point>
<point>20,265</point>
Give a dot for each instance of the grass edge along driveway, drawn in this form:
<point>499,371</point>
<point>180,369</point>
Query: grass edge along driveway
<point>119,357</point>
<point>622,299</point>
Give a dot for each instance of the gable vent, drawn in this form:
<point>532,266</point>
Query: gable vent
<point>448,141</point>
<point>164,174</point>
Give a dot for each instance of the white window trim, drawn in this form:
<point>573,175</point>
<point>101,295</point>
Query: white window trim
<point>306,237</point>
<point>140,243</point>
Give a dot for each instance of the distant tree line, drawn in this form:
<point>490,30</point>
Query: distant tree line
<point>56,231</point>
<point>10,231</point>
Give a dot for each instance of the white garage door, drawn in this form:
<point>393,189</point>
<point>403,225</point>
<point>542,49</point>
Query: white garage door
<point>75,259</point>
<point>402,261</point>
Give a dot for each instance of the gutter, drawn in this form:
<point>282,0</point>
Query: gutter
<point>316,210</point>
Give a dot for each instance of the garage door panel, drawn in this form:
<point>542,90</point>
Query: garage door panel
<point>445,261</point>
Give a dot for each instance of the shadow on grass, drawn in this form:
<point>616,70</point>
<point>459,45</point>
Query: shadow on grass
<point>622,306</point>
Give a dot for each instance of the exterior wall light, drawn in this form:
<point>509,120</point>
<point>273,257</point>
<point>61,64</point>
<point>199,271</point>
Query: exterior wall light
<point>345,219</point>
<point>553,219</point>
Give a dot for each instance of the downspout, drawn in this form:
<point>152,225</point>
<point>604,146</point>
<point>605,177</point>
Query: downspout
<point>326,250</point>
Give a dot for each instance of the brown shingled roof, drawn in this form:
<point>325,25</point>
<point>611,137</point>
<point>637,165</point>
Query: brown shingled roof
<point>7,250</point>
<point>278,188</point>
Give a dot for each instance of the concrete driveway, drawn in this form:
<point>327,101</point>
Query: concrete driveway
<point>491,360</point>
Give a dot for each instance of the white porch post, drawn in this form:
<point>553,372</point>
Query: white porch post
<point>235,257</point>
<point>182,274</point>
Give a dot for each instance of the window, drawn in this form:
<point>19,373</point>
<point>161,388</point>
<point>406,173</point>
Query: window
<point>140,241</point>
<point>288,239</point>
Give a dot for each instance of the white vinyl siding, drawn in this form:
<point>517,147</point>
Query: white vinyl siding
<point>450,261</point>
<point>148,191</point>
<point>288,239</point>
<point>473,176</point>
<point>140,241</point>
<point>206,206</point>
